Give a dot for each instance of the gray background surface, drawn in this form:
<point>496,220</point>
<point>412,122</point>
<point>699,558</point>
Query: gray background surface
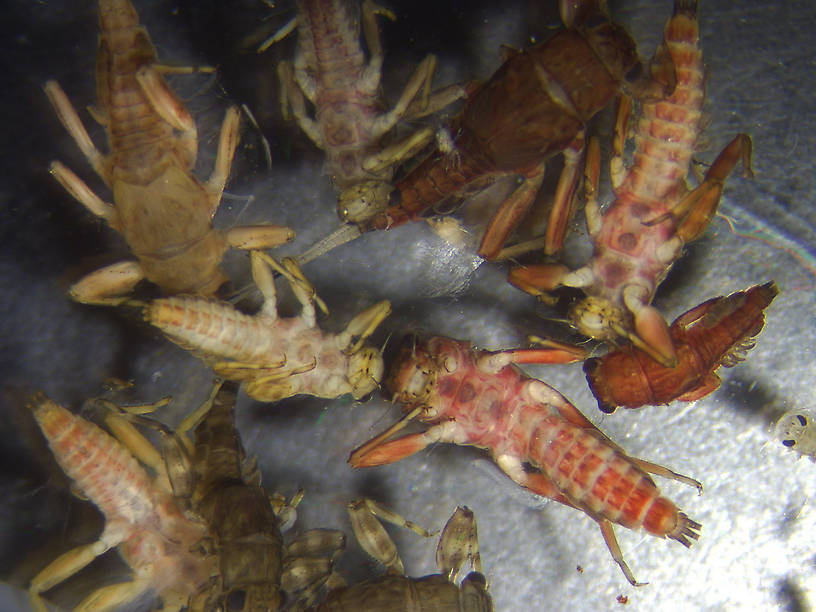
<point>757,549</point>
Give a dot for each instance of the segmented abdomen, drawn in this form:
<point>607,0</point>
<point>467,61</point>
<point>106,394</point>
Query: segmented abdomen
<point>627,248</point>
<point>102,467</point>
<point>600,480</point>
<point>139,138</point>
<point>330,38</point>
<point>238,514</point>
<point>732,321</point>
<point>435,179</point>
<point>668,130</point>
<point>215,329</point>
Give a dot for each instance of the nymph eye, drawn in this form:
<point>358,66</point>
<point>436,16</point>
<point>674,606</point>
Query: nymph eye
<point>789,443</point>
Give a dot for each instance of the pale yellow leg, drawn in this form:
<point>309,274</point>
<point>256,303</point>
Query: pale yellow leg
<point>363,325</point>
<point>277,386</point>
<point>252,237</point>
<point>113,596</point>
<point>263,383</point>
<point>168,69</point>
<point>137,444</point>
<point>290,270</point>
<point>242,371</point>
<point>265,281</point>
<point>192,420</point>
<point>420,80</point>
<point>398,152</point>
<point>83,194</point>
<point>371,30</point>
<point>528,246</point>
<point>141,409</point>
<point>170,108</point>
<point>227,143</point>
<point>278,36</point>
<point>365,371</point>
<point>70,119</point>
<point>302,287</point>
<point>291,95</point>
<point>105,286</point>
<point>165,102</point>
<point>439,99</point>
<point>61,568</point>
<point>176,449</point>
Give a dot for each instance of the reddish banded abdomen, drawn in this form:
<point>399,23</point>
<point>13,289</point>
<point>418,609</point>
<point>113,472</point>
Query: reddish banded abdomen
<point>668,129</point>
<point>101,467</point>
<point>597,478</point>
<point>627,245</point>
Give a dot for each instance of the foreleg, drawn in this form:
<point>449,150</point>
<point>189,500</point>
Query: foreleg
<point>377,452</point>
<point>651,333</point>
<point>363,325</point>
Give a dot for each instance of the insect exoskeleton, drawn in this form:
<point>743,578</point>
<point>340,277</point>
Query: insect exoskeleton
<point>161,209</point>
<point>277,357</point>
